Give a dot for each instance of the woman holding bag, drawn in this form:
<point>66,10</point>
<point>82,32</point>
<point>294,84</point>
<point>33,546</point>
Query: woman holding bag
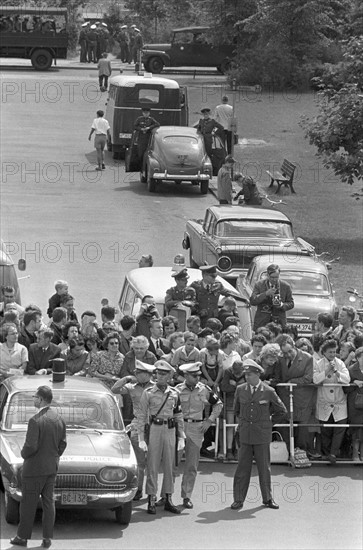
<point>355,404</point>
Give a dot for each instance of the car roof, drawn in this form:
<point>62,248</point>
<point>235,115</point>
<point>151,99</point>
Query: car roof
<point>191,29</point>
<point>248,213</point>
<point>157,280</point>
<point>27,382</point>
<point>126,81</point>
<point>292,263</point>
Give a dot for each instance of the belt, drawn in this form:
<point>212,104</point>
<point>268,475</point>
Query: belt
<point>191,420</point>
<point>159,421</point>
<point>101,134</point>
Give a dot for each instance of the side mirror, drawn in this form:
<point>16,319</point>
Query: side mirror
<point>22,265</point>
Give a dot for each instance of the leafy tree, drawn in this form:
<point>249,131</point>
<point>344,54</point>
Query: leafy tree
<point>337,132</point>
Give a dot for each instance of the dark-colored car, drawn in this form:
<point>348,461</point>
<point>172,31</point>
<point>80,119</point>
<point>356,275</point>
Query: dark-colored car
<point>189,47</point>
<point>311,287</point>
<point>231,236</point>
<point>176,154</point>
<point>98,468</point>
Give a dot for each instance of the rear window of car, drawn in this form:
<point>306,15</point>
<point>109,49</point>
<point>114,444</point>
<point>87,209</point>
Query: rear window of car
<point>78,409</point>
<point>244,229</point>
<point>181,140</point>
<point>148,96</point>
<point>305,282</point>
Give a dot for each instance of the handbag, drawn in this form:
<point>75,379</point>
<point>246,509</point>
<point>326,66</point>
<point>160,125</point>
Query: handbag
<point>278,449</point>
<point>358,400</point>
<point>300,459</point>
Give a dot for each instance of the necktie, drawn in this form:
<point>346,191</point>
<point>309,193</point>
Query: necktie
<point>157,344</point>
<point>253,389</point>
<point>288,364</point>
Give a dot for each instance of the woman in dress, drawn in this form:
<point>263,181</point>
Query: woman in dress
<point>107,364</point>
<point>268,359</point>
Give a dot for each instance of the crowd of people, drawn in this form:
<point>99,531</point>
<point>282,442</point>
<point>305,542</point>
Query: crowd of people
<point>94,41</point>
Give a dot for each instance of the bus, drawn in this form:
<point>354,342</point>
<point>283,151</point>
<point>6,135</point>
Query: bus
<point>35,33</point>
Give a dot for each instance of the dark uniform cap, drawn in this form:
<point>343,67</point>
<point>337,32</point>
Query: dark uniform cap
<point>205,110</point>
<point>210,269</point>
<point>249,365</point>
<point>183,274</point>
<point>164,366</point>
<point>191,368</point>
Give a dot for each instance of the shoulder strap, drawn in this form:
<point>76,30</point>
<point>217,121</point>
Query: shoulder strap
<point>162,405</point>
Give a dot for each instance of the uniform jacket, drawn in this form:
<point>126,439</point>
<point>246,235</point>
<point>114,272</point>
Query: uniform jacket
<point>331,399</point>
<point>151,401</point>
<point>300,372</point>
<point>266,312</point>
<point>41,359</point>
<point>45,442</point>
<point>175,296</point>
<point>135,391</point>
<point>257,413</point>
<point>193,401</point>
<point>206,305</point>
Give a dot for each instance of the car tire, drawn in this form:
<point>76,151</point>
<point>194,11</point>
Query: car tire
<point>11,509</point>
<point>151,185</point>
<point>192,263</point>
<point>123,513</point>
<point>41,60</point>
<point>204,187</point>
<point>155,65</point>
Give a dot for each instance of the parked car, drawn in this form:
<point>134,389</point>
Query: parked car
<point>155,281</point>
<point>176,154</point>
<point>231,236</point>
<point>189,47</point>
<point>98,468</point>
<point>311,287</point>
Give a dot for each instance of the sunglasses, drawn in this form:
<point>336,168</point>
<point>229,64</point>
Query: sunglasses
<point>113,343</point>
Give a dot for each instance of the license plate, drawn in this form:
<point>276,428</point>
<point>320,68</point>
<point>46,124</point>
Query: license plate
<point>124,135</point>
<point>76,498</point>
<point>304,327</point>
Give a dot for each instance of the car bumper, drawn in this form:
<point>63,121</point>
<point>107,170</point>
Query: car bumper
<point>101,499</point>
<point>181,177</point>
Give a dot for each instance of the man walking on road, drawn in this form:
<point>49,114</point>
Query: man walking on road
<point>224,115</point>
<point>45,442</point>
<point>254,404</point>
<point>101,128</point>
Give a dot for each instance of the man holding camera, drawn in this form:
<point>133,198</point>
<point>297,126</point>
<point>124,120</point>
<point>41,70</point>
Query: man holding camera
<point>148,311</point>
<point>272,297</point>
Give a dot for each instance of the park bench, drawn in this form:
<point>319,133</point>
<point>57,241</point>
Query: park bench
<point>284,177</point>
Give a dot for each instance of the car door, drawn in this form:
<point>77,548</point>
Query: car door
<point>182,50</point>
<point>208,240</point>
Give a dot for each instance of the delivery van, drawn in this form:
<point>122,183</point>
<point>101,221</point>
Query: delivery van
<point>8,275</point>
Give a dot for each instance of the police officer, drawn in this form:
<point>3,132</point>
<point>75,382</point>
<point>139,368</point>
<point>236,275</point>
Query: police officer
<point>160,408</point>
<point>123,39</point>
<point>137,47</point>
<point>207,126</point>
<point>208,292</point>
<point>257,406</point>
<point>134,386</point>
<point>144,125</point>
<point>194,397</point>
<point>179,294</point>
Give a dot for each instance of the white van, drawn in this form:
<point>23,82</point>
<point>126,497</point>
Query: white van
<point>8,275</point>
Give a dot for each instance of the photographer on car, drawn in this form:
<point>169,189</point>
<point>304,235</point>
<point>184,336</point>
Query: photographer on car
<point>147,312</point>
<point>272,297</point>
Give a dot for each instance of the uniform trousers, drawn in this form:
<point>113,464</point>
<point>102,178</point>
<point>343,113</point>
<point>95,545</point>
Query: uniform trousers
<point>193,443</point>
<point>32,488</point>
<point>161,449</point>
<point>242,476</point>
<point>140,457</point>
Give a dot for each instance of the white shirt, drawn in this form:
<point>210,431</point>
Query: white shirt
<point>224,115</point>
<point>12,358</point>
<point>100,125</point>
<point>331,399</point>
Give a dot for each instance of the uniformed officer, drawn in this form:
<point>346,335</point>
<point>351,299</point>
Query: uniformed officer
<point>207,126</point>
<point>257,406</point>
<point>208,292</point>
<point>134,386</point>
<point>144,125</point>
<point>194,397</point>
<point>160,408</point>
<point>181,293</point>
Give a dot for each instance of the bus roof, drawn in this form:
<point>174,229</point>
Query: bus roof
<point>124,81</point>
<point>41,10</point>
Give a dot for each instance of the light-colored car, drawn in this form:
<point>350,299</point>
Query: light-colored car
<point>98,468</point>
<point>176,154</point>
<point>155,281</point>
<point>311,287</point>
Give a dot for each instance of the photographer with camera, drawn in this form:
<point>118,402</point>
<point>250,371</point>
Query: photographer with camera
<point>148,311</point>
<point>272,297</point>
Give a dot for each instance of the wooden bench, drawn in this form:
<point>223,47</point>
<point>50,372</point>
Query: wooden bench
<point>284,177</point>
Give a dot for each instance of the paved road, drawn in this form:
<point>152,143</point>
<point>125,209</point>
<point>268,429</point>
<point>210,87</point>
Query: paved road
<point>320,508</point>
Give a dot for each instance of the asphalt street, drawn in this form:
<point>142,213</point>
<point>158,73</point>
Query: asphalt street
<point>90,228</point>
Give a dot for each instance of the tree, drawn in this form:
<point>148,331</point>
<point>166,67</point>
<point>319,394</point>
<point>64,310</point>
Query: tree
<point>337,132</point>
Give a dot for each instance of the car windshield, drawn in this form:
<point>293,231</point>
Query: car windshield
<point>79,409</point>
<point>305,282</point>
<point>181,141</point>
<point>259,229</point>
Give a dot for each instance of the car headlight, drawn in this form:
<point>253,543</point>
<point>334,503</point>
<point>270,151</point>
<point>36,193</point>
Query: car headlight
<point>224,263</point>
<point>112,475</point>
<point>218,250</point>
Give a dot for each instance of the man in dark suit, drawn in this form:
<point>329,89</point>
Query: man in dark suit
<point>157,345</point>
<point>257,406</point>
<point>272,297</point>
<point>42,353</point>
<point>45,442</point>
<point>208,291</point>
<point>296,366</point>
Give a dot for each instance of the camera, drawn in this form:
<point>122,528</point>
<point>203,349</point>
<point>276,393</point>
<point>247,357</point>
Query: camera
<point>151,310</point>
<point>276,300</point>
